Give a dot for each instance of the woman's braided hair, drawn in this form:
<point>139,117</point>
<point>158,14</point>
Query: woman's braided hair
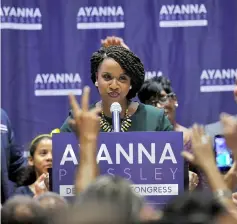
<point>129,62</point>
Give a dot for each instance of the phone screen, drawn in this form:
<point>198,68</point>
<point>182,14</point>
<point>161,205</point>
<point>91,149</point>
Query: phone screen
<point>50,179</point>
<point>224,157</point>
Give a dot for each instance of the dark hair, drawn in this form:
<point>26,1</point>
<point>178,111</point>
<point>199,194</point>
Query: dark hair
<point>27,174</point>
<point>116,190</point>
<point>52,201</point>
<point>193,208</point>
<point>126,59</point>
<point>92,212</point>
<point>22,209</point>
<point>154,86</point>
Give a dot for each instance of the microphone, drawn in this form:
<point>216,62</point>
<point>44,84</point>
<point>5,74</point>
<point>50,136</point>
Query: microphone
<point>116,109</point>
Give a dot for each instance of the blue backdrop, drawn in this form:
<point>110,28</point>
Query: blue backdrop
<point>46,49</point>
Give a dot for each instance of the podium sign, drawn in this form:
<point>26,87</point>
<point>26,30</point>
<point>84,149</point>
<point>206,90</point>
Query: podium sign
<point>150,160</point>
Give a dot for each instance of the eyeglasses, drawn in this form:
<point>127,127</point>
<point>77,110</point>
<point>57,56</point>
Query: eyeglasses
<point>163,99</point>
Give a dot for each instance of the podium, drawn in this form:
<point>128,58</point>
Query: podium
<point>152,161</point>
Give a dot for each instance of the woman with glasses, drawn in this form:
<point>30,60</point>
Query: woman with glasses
<point>159,93</point>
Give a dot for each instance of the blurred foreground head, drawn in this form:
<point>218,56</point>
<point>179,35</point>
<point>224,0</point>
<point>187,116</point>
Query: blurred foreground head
<point>196,208</point>
<point>22,209</point>
<point>90,212</point>
<point>52,201</point>
<point>117,192</point>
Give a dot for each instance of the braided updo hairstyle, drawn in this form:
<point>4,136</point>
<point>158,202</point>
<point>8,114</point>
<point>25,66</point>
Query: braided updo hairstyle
<point>129,62</point>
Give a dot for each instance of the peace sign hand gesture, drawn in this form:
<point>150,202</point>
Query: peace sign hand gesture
<point>85,122</point>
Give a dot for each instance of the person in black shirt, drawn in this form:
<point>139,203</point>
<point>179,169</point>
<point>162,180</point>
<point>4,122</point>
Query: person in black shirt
<point>12,159</point>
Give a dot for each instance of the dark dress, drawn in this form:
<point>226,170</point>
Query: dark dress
<point>146,118</point>
<point>12,160</point>
<point>24,190</point>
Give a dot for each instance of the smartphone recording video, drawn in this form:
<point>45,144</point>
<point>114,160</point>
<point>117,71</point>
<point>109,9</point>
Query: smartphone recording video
<point>224,157</point>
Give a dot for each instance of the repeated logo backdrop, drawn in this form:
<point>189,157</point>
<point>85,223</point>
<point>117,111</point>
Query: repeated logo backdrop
<point>46,49</point>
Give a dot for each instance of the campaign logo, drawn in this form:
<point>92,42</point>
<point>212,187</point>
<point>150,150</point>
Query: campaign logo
<point>188,15</point>
<point>152,74</point>
<point>106,17</point>
<point>218,80</point>
<point>59,84</point>
<point>18,18</point>
<point>3,128</point>
<point>128,164</point>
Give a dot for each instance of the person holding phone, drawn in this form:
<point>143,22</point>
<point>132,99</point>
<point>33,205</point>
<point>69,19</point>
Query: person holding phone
<point>224,157</point>
<point>34,178</point>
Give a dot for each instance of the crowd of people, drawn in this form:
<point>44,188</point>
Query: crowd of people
<point>119,76</point>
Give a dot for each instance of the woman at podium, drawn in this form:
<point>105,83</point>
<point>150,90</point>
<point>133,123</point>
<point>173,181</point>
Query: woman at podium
<point>119,74</point>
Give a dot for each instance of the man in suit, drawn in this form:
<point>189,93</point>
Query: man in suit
<point>216,128</point>
<point>12,159</point>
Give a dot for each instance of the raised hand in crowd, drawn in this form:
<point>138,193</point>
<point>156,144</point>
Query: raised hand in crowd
<point>193,180</point>
<point>113,41</point>
<point>234,197</point>
<point>41,185</point>
<point>86,124</point>
<point>203,156</point>
<point>230,131</point>
<point>85,121</point>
